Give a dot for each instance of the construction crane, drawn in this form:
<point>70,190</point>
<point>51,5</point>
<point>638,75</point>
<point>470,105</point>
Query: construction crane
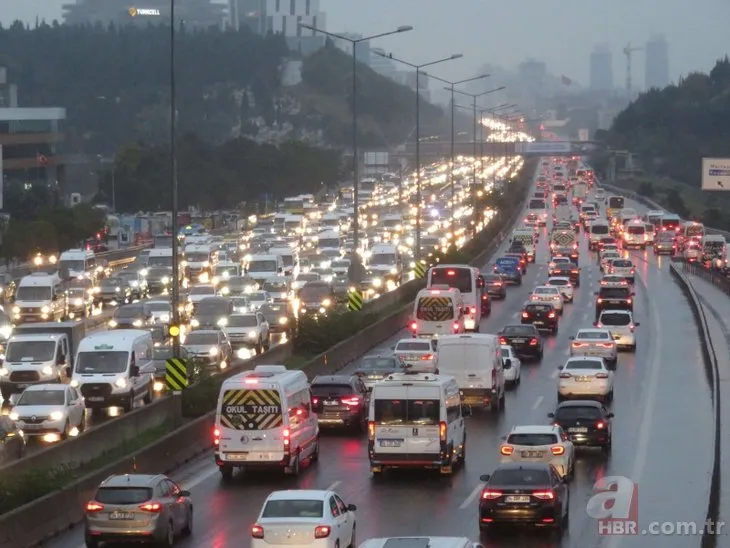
<point>628,51</point>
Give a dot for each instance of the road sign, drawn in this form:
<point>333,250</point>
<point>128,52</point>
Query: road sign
<point>420,269</point>
<point>354,300</point>
<point>176,374</point>
<point>583,135</point>
<point>716,174</point>
<point>544,147</point>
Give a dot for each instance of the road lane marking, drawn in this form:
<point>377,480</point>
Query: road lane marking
<point>474,494</point>
<point>554,374</point>
<point>537,403</point>
<point>200,477</point>
<point>333,486</point>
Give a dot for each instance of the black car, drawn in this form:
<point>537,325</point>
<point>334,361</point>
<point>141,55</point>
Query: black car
<point>495,286</point>
<point>586,422</point>
<point>524,493</point>
<point>376,367</point>
<point>524,339</point>
<point>614,298</point>
<point>279,317</point>
<point>131,316</point>
<point>541,315</point>
<point>341,400</point>
<point>567,270</point>
<point>518,247</point>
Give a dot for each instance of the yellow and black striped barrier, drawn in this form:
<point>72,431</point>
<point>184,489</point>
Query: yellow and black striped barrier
<point>420,269</point>
<point>354,300</point>
<point>176,374</point>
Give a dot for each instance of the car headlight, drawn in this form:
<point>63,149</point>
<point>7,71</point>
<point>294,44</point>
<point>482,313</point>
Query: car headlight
<point>215,280</point>
<point>252,334</point>
<point>194,322</point>
<point>394,270</point>
<point>226,275</point>
<point>78,302</point>
<point>377,282</point>
<point>117,289</point>
<point>45,309</point>
<point>222,322</point>
<point>121,383</point>
<point>283,320</point>
<point>4,372</point>
<point>225,290</point>
<point>16,309</point>
<point>74,383</point>
<point>164,318</point>
<point>137,323</point>
<point>165,280</point>
<point>47,371</point>
<point>6,331</point>
<point>143,272</point>
<point>56,416</point>
<point>113,323</point>
<point>14,416</point>
<point>326,302</point>
<point>213,351</point>
<point>134,283</point>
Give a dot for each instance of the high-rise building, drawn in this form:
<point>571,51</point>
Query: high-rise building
<point>601,69</point>
<point>656,66</point>
<point>194,13</point>
<point>362,48</point>
<point>532,75</point>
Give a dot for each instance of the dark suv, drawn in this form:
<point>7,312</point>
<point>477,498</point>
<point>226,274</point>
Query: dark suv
<point>614,298</point>
<point>541,315</point>
<point>341,400</point>
<point>525,340</point>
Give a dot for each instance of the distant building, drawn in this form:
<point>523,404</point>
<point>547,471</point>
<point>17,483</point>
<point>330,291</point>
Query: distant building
<point>363,48</point>
<point>194,13</point>
<point>532,75</point>
<point>601,69</point>
<point>656,66</point>
<point>382,65</point>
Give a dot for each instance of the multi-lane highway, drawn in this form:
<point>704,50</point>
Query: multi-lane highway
<point>662,437</point>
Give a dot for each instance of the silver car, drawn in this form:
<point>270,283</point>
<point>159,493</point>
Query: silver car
<point>621,325</point>
<point>596,343</point>
<point>138,507</point>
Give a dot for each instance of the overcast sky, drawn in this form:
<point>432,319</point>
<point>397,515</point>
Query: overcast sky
<point>560,33</point>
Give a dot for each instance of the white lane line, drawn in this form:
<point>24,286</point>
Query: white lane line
<point>554,374</point>
<point>514,316</point>
<point>537,403</point>
<point>200,477</point>
<point>333,486</point>
<point>474,494</point>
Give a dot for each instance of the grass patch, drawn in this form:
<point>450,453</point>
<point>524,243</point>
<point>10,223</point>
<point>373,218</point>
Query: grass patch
<point>29,486</point>
<point>297,361</point>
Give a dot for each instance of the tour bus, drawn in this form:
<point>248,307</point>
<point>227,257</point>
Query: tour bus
<point>466,279</point>
<point>669,223</point>
<point>437,311</point>
<point>614,206</point>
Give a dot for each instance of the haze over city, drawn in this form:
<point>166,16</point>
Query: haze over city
<point>562,35</point>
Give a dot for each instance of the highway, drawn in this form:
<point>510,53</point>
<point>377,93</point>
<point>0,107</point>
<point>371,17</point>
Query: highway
<point>662,438</point>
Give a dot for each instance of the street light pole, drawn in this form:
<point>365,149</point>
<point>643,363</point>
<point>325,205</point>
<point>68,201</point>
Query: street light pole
<point>417,251</point>
<point>355,153</point>
<point>175,297</point>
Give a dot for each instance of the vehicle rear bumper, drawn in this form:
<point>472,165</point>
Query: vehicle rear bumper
<point>408,460</point>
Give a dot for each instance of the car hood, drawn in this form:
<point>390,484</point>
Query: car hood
<point>37,410</point>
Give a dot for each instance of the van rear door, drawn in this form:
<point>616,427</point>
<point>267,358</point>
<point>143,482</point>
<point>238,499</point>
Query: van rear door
<point>423,410</point>
<point>251,421</point>
<point>406,422</point>
<point>477,367</point>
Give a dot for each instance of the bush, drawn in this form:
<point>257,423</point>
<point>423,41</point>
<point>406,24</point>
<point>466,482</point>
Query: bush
<point>315,335</point>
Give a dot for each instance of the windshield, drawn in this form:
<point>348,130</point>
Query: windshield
<point>293,508</point>
<point>314,293</point>
<point>593,335</point>
<point>276,287</point>
<point>558,281</point>
<point>340,264</point>
<point>577,413</point>
<point>123,495</point>
<point>198,338</point>
<point>30,351</point>
<point>248,320</point>
<point>223,270</point>
<point>77,292</point>
<point>42,397</point>
<point>614,293</point>
<point>545,291</point>
<point>532,439</point>
<point>162,353</point>
<point>324,390</point>
<point>523,330</point>
<point>202,290</point>
<point>29,293</point>
<point>458,278</point>
<point>599,229</point>
<point>258,296</point>
<point>112,282</point>
<point>72,266</point>
<point>101,362</point>
<point>537,204</point>
<point>129,312</point>
<point>211,307</point>
<point>616,202</point>
<point>262,266</point>
<point>329,242</point>
<point>378,363</point>
<point>160,261</point>
<point>582,364</point>
<point>413,346</point>
<point>382,259</point>
<point>157,306</point>
<point>519,477</point>
<point>559,188</point>
<point>159,272</point>
<point>616,319</point>
<point>399,412</point>
<point>636,230</point>
<point>197,257</point>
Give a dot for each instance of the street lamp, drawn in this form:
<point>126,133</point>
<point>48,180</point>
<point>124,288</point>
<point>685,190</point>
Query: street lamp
<point>355,155</point>
<point>475,96</point>
<point>417,253</point>
<point>451,87</point>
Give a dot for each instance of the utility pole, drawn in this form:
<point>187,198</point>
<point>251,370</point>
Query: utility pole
<point>175,297</point>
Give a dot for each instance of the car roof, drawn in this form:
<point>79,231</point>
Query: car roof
<point>299,494</point>
<point>580,403</point>
<point>332,379</point>
<point>593,330</point>
<point>534,429</point>
<point>597,359</point>
<point>131,480</point>
<point>543,466</point>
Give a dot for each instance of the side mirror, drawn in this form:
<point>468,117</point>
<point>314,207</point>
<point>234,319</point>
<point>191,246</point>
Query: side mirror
<point>392,347</point>
<point>466,411</point>
<point>503,438</point>
<point>610,415</point>
<point>633,294</point>
<point>484,477</point>
<point>68,372</point>
<point>573,338</point>
<point>551,415</point>
<point>507,363</point>
<point>595,324</point>
<point>637,324</point>
<point>61,359</point>
<point>351,508</point>
<point>184,493</point>
<point>134,371</point>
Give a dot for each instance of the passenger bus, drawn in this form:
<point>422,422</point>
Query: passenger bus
<point>466,279</point>
<point>669,223</point>
<point>614,205</point>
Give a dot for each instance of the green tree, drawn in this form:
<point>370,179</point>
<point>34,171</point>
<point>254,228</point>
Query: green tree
<point>675,203</point>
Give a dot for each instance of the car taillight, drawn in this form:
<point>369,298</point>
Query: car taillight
<point>502,340</point>
<point>507,450</point>
<point>606,345</point>
<point>551,315</point>
<point>414,326</point>
<point>600,425</point>
<point>533,342</point>
<point>93,507</point>
<point>485,297</point>
<point>525,315</point>
<point>543,495</point>
<point>257,531</point>
<point>455,327</point>
<point>601,375</point>
<point>628,301</point>
<point>472,310</point>
<point>352,401</point>
<point>315,401</point>
<point>632,327</point>
<point>153,507</point>
<point>599,300</point>
<point>564,375</point>
<point>578,345</point>
<point>427,357</point>
<point>322,531</point>
<point>599,324</point>
<point>557,450</point>
<point>371,430</point>
<point>285,435</point>
<point>574,272</point>
<point>487,494</point>
<point>216,436</point>
<point>443,429</point>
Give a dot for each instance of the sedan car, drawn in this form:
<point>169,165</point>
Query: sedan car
<point>160,311</point>
<point>341,400</point>
<point>524,339</point>
<point>198,292</point>
<point>136,282</point>
<point>624,268</point>
<point>541,315</point>
<point>495,286</point>
<point>538,443</point>
<point>511,364</point>
<point>51,412</point>
<point>138,507</point>
<point>417,354</point>
<point>114,291</point>
<point>376,367</point>
<point>564,286</point>
<point>130,316</point>
<point>279,317</point>
<point>556,261</point>
<point>587,423</point>
<point>622,327</point>
<point>610,280</point>
<point>257,299</point>
<point>315,518</point>
<point>595,342</point>
<point>567,270</point>
<point>524,493</point>
<point>209,346</point>
<point>585,377</point>
<point>548,294</point>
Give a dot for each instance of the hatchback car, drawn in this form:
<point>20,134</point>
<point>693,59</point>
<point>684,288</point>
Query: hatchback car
<point>595,342</point>
<point>586,422</point>
<point>622,327</point>
<point>417,355</point>
<point>495,286</point>
<point>539,443</point>
<point>374,368</point>
<point>564,286</point>
<point>341,400</point>
<point>541,315</point>
<point>548,294</point>
<point>524,339</point>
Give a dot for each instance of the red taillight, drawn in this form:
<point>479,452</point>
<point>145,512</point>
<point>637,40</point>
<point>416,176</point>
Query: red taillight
<point>606,345</point>
<point>491,495</point>
<point>533,342</point>
<point>599,300</point>
<point>443,429</point>
<point>315,401</point>
<point>371,430</point>
<point>502,340</point>
<point>216,436</point>
<point>601,375</point>
<point>427,357</point>
<point>551,315</point>
<point>151,507</point>
<point>456,327</point>
<point>472,310</point>
<point>257,531</point>
<point>414,326</point>
<point>543,495</point>
<point>285,434</point>
<point>507,450</point>
<point>353,401</point>
<point>557,450</point>
<point>564,375</point>
<point>322,531</point>
<point>600,425</point>
<point>525,315</point>
<point>629,301</point>
<point>94,507</point>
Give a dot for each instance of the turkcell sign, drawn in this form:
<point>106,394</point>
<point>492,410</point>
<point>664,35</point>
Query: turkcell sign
<point>546,147</point>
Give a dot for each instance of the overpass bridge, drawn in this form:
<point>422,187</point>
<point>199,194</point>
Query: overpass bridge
<point>441,147</point>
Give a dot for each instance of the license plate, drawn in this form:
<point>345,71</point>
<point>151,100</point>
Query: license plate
<point>584,379</point>
<point>237,456</point>
<point>121,515</point>
<point>32,426</point>
<point>412,358</point>
<point>578,430</point>
<point>391,443</point>
<point>539,322</point>
<point>517,498</point>
<point>532,454</point>
<point>330,403</point>
<point>519,340</point>
<point>95,398</point>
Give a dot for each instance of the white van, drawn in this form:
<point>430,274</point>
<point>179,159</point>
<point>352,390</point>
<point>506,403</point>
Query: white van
<point>635,234</point>
<point>261,267</point>
<point>416,421</point>
<point>288,258</point>
<point>40,297</point>
<point>475,362</point>
<point>597,230</point>
<point>77,263</point>
<point>527,237</point>
<point>114,368</point>
<point>438,311</point>
<point>264,419</point>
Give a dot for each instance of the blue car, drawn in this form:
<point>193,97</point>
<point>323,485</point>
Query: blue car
<point>509,268</point>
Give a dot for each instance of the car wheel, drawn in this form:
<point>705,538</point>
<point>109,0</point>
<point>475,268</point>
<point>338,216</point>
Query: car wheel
<point>128,402</point>
<point>555,330</point>
<point>294,468</point>
<point>315,454</point>
<point>188,529</point>
<point>632,348</point>
<point>169,540</point>
<point>66,428</point>
<point>607,447</point>
<point>91,543</point>
<point>353,537</point>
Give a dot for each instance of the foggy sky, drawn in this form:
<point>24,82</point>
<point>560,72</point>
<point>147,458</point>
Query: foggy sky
<point>505,33</point>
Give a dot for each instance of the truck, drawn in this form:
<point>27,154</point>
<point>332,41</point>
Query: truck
<point>563,212</point>
<point>39,353</point>
<point>563,243</point>
<point>580,192</point>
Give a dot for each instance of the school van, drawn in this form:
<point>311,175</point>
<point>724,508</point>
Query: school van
<point>475,362</point>
<point>527,237</point>
<point>438,311</point>
<point>264,419</point>
<point>114,368</point>
<point>416,421</point>
<point>597,230</point>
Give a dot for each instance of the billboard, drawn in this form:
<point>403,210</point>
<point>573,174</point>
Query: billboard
<point>545,147</point>
<point>715,173</point>
<point>583,135</point>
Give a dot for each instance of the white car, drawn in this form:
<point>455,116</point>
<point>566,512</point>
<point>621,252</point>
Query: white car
<point>52,412</point>
<point>599,194</point>
<point>513,367</point>
<point>692,252</point>
<point>624,268</point>
<point>248,331</point>
<point>538,443</point>
<point>558,260</point>
<point>258,298</point>
<point>606,258</point>
<point>305,518</point>
<point>585,377</point>
<point>160,311</point>
<point>198,292</point>
<point>610,247</point>
<point>621,325</point>
<point>564,286</point>
<point>548,294</point>
<point>595,342</point>
<point>417,355</point>
<point>611,280</point>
